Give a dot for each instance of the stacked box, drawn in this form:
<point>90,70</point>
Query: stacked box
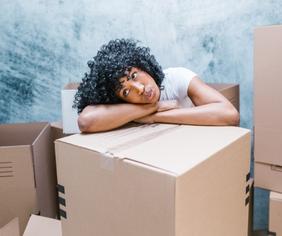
<point>267,107</point>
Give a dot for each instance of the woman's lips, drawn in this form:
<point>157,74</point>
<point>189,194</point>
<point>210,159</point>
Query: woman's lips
<point>149,94</point>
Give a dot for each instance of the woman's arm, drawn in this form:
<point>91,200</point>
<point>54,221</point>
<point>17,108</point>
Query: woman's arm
<point>95,118</point>
<point>211,108</point>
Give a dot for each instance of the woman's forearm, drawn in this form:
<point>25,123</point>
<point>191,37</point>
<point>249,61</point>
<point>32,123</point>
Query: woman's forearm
<point>210,114</point>
<point>95,118</point>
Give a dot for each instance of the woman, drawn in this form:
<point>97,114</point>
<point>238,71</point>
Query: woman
<point>126,83</point>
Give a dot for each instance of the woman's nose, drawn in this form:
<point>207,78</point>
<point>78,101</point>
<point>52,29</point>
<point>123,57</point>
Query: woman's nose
<point>138,86</point>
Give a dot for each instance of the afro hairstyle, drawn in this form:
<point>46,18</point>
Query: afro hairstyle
<point>112,62</point>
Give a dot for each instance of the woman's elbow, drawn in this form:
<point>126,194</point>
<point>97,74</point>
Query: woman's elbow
<point>83,123</point>
<point>233,117</point>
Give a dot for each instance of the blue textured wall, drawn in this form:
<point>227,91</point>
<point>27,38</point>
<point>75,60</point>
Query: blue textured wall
<point>46,43</point>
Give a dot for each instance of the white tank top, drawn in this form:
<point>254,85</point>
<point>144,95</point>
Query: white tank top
<point>176,83</point>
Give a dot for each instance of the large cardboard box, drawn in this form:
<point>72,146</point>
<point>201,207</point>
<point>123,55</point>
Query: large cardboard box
<point>27,172</point>
<point>157,179</point>
<point>43,226</point>
<point>230,91</point>
<point>267,107</point>
<point>275,213</point>
<point>11,229</point>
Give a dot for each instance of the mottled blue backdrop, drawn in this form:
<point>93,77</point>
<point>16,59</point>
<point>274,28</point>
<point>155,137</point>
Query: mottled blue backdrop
<point>45,44</point>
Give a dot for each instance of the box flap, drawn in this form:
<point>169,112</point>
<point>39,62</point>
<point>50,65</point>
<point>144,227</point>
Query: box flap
<point>45,173</point>
<point>159,145</point>
<point>43,226</point>
<point>11,229</point>
<point>20,133</point>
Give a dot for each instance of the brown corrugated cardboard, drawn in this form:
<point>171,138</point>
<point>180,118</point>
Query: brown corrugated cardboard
<point>155,179</point>
<point>267,107</point>
<point>230,91</point>
<point>275,213</point>
<point>27,172</point>
<point>11,229</point>
<point>43,226</point>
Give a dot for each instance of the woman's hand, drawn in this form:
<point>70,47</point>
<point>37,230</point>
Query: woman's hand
<point>168,105</point>
<point>162,106</point>
<point>145,120</point>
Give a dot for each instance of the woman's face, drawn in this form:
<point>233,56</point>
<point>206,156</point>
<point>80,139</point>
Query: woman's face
<point>138,87</point>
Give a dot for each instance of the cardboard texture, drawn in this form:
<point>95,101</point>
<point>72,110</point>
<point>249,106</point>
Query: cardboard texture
<point>27,172</point>
<point>275,213</point>
<point>267,107</point>
<point>43,226</point>
<point>230,91</point>
<point>155,179</point>
<point>69,114</point>
<point>11,229</point>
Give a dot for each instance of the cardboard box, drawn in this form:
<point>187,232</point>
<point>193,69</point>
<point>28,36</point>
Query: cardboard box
<point>43,226</point>
<point>275,213</point>
<point>27,172</point>
<point>267,107</point>
<point>157,179</point>
<point>11,229</point>
<point>230,91</point>
<point>69,114</point>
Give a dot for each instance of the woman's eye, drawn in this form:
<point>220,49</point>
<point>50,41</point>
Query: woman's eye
<point>125,92</point>
<point>134,75</point>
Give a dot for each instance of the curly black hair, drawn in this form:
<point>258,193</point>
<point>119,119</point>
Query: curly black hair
<point>112,62</point>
